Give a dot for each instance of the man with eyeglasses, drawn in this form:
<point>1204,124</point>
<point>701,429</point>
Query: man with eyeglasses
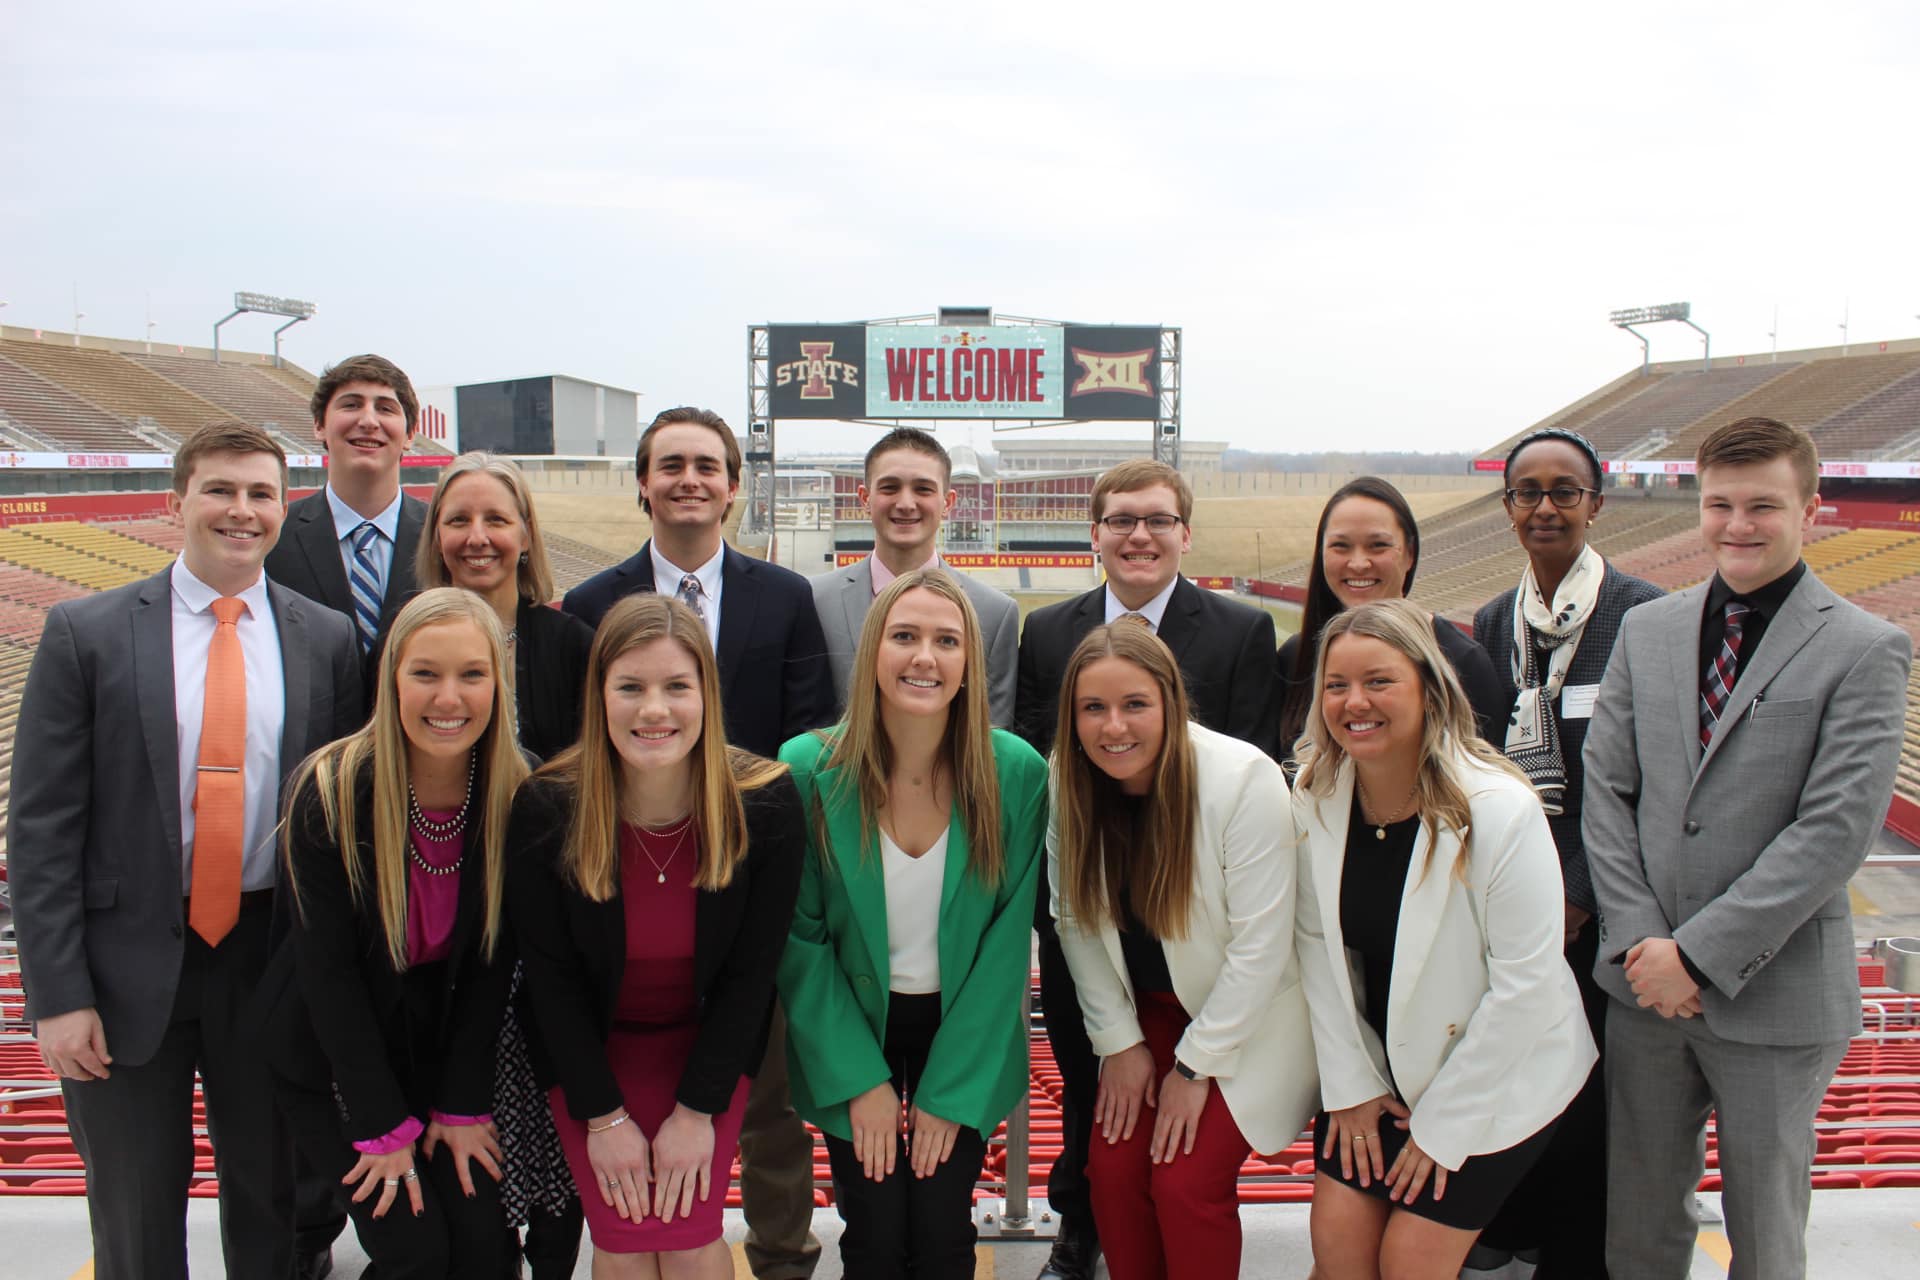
<point>1141,515</point>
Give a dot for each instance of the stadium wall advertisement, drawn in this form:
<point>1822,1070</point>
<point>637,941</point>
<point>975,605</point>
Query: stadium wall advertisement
<point>907,371</point>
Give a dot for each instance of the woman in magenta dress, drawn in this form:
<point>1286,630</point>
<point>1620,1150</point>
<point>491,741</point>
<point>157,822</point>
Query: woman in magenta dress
<point>651,885</point>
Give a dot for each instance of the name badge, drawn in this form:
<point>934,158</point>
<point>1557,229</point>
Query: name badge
<point>1576,701</point>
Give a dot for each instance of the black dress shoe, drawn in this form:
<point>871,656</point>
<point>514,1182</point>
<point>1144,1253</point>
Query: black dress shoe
<point>313,1265</point>
<point>1075,1252</point>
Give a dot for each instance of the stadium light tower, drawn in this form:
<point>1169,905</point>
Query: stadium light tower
<point>1681,311</point>
<point>266,304</point>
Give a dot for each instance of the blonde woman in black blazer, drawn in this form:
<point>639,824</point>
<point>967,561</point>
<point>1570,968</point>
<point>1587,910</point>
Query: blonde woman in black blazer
<point>379,1015</point>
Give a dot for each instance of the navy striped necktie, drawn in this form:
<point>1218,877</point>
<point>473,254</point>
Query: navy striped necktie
<point>363,576</point>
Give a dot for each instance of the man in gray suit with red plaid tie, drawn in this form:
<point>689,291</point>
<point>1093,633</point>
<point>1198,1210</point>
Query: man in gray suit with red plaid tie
<point>1740,759</point>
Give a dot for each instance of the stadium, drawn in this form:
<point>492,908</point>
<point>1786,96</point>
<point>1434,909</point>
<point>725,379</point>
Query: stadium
<point>88,424</point>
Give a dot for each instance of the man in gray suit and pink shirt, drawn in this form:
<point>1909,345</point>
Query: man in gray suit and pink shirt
<point>1740,760</point>
<point>908,491</point>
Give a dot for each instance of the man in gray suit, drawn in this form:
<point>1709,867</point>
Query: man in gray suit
<point>908,492</point>
<point>142,853</point>
<point>1741,756</point>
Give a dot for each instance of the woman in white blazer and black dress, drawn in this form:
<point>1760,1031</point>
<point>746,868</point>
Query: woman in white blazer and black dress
<point>1171,860</point>
<point>1448,1028</point>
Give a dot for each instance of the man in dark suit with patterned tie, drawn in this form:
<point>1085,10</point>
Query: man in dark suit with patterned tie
<point>351,545</point>
<point>1141,514</point>
<point>158,723</point>
<point>775,684</point>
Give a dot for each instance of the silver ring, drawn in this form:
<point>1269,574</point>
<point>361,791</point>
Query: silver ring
<point>411,1175</point>
<point>389,1182</point>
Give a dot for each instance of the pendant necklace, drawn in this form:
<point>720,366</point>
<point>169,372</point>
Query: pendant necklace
<point>683,830</point>
<point>1380,827</point>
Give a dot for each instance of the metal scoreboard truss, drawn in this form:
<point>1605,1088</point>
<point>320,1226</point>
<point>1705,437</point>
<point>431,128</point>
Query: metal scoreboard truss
<point>957,364</point>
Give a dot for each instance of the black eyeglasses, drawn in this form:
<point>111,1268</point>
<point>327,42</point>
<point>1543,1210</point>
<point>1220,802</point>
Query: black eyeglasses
<point>1563,496</point>
<point>1124,525</point>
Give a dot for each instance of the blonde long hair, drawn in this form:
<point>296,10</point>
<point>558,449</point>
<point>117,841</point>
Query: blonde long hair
<point>592,766</point>
<point>534,575</point>
<point>860,749</point>
<point>1449,735</point>
<point>1102,865</point>
<point>380,748</point>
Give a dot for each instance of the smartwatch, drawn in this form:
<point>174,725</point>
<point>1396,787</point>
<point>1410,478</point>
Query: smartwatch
<point>1186,1072</point>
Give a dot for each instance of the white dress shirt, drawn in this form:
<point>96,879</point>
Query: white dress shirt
<point>193,627</point>
<point>1153,610</point>
<point>666,582</point>
<point>346,520</point>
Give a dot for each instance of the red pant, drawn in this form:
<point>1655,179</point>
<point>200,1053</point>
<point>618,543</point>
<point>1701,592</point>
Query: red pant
<point>1150,1214</point>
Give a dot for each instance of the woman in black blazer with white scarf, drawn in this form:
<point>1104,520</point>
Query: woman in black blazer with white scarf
<point>651,975</point>
<point>1550,638</point>
<point>379,1015</point>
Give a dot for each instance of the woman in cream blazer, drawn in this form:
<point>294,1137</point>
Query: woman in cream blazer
<point>1171,860</point>
<point>1442,1089</point>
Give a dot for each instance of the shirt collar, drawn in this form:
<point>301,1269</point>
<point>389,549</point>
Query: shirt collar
<point>883,577</point>
<point>1153,610</point>
<point>199,597</point>
<point>346,519</point>
<point>667,574</point>
<point>1765,601</point>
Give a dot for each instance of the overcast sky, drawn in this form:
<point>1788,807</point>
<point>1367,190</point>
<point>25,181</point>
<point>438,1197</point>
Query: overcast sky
<point>1390,226</point>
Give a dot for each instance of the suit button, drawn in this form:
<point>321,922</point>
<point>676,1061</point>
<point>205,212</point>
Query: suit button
<point>864,980</point>
<point>1692,828</point>
<point>1453,1029</point>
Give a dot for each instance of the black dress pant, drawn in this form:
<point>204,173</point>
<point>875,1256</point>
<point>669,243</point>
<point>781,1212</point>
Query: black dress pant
<point>1079,1073</point>
<point>908,1228</point>
<point>455,1236</point>
<point>134,1129</point>
<point>1558,1213</point>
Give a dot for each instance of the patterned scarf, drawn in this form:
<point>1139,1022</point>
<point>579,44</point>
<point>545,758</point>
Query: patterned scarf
<point>1533,734</point>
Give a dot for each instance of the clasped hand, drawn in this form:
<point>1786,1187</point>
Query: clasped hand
<point>879,1118</point>
<point>1660,981</point>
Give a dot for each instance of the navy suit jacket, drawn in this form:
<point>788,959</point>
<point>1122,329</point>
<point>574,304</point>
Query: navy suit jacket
<point>774,678</point>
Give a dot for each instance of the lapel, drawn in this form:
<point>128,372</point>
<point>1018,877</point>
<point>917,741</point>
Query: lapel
<point>1328,855</point>
<point>1801,615</point>
<point>314,535</point>
<point>959,934</point>
<point>1683,653</point>
<point>1088,612</point>
<point>1423,901</point>
<point>401,581</point>
<point>1180,624</point>
<point>152,623</point>
<point>739,608</point>
<point>296,653</point>
<point>856,598</point>
<point>865,882</point>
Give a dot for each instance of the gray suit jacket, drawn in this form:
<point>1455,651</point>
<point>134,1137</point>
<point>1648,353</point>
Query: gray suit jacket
<point>93,832</point>
<point>842,597</point>
<point>1742,853</point>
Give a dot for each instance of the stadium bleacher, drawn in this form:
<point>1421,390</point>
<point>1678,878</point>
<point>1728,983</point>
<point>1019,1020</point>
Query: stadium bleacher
<point>59,416</point>
<point>246,392</point>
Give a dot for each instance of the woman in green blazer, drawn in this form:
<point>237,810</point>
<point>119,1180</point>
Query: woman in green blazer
<point>903,976</point>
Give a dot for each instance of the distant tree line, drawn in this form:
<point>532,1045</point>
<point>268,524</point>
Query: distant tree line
<point>1399,463</point>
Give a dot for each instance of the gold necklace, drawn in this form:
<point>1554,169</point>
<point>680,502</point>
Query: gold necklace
<point>683,829</point>
<point>1380,827</point>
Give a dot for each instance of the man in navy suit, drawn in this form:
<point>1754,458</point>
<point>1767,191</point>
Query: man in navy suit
<point>776,684</point>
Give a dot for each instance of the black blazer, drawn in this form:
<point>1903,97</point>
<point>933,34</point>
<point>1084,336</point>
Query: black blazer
<point>1225,651</point>
<point>575,951</point>
<point>333,1012</point>
<point>774,676</point>
<point>307,557</point>
<point>1493,627</point>
<point>549,675</point>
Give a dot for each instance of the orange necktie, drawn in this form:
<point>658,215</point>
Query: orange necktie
<point>220,794</point>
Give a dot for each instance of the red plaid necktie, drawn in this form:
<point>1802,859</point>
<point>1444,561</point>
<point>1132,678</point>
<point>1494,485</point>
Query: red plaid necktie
<point>1716,683</point>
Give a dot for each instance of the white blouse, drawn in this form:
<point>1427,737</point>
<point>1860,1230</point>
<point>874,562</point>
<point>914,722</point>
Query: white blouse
<point>913,915</point>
